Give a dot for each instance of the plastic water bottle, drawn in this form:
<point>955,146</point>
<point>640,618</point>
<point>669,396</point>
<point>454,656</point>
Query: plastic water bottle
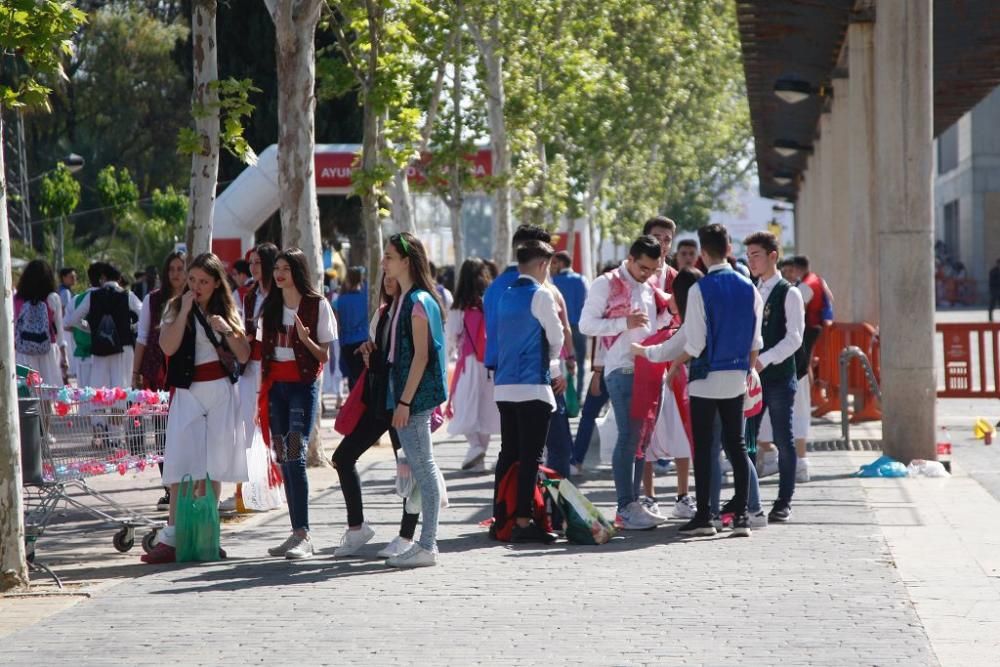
<point>944,449</point>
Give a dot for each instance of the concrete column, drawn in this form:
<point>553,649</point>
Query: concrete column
<point>862,227</point>
<point>904,193</point>
<point>839,266</point>
<point>820,255</point>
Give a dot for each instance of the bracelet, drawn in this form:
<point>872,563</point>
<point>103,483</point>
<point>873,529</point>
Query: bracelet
<point>402,402</point>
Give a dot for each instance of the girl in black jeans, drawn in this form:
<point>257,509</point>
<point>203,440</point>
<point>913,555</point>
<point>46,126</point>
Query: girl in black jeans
<point>373,423</point>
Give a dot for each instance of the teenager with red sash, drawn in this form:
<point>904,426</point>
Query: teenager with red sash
<point>204,437</point>
<point>295,330</point>
<point>261,262</point>
<point>149,368</point>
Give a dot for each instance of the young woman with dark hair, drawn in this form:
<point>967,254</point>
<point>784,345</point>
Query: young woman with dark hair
<point>204,436</point>
<point>351,309</point>
<point>417,366</point>
<point>472,409</point>
<point>149,367</point>
<point>38,324</point>
<point>375,421</point>
<point>295,331</point>
<point>261,263</point>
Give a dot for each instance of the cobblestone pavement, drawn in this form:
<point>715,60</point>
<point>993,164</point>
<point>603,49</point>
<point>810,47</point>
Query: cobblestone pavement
<point>822,590</point>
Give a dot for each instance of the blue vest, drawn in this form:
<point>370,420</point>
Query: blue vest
<point>730,323</point>
<point>523,354</point>
<point>491,300</point>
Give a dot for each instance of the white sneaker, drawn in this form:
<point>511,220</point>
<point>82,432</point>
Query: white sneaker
<point>768,465</point>
<point>228,505</point>
<point>353,540</point>
<point>415,556</point>
<point>398,546</point>
<point>664,467</point>
<point>302,547</point>
<point>635,517</point>
<point>575,470</point>
<point>475,461</point>
<point>802,470</point>
<point>651,506</point>
<point>685,507</point>
<point>283,548</point>
<point>758,520</point>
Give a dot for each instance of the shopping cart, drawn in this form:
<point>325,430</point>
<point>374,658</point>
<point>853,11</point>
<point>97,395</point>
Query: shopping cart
<point>86,432</point>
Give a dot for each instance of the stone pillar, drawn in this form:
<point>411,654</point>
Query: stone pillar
<point>839,266</point>
<point>862,225</point>
<point>904,167</point>
<point>820,254</point>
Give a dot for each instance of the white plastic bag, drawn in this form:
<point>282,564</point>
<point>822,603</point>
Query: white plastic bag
<point>607,433</point>
<point>258,494</point>
<point>413,500</point>
<point>920,467</point>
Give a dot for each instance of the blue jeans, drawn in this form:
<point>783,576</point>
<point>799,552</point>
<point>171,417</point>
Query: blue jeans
<point>779,396</point>
<point>415,439</point>
<point>580,352</point>
<point>559,443</point>
<point>592,406</point>
<point>625,467</point>
<point>292,410</point>
<point>753,494</point>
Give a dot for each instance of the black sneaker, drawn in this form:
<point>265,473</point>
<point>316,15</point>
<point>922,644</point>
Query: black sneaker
<point>531,533</point>
<point>729,507</point>
<point>698,526</point>
<point>741,526</point>
<point>780,512</point>
<point>163,504</point>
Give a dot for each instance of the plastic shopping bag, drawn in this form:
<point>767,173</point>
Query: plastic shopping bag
<point>262,492</point>
<point>413,499</point>
<point>883,466</point>
<point>197,523</point>
<point>607,432</point>
<point>584,523</point>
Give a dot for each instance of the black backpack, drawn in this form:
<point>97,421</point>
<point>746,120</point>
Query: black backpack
<point>109,319</point>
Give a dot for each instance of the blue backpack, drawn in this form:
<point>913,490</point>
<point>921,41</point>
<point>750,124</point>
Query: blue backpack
<point>34,327</point>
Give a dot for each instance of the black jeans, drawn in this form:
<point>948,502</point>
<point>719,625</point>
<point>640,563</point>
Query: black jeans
<point>523,429</point>
<point>371,426</point>
<point>730,411</point>
<point>994,302</point>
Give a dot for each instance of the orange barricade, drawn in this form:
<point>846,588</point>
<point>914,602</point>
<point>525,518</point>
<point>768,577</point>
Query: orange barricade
<point>826,369</point>
<point>971,360</point>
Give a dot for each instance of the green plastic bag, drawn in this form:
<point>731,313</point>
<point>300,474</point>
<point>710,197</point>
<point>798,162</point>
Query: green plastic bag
<point>197,523</point>
<point>572,397</point>
<point>584,523</point>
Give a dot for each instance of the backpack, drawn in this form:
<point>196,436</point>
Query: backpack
<point>34,327</point>
<point>109,320</point>
<point>507,503</point>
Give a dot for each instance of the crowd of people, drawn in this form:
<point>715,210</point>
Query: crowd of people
<point>682,345</point>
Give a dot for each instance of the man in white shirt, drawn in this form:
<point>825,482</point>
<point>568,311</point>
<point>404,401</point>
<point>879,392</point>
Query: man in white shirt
<point>722,330</point>
<point>781,327</point>
<point>529,340</point>
<point>620,310</point>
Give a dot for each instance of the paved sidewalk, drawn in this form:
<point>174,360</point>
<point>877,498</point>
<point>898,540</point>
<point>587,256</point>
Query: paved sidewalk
<point>823,590</point>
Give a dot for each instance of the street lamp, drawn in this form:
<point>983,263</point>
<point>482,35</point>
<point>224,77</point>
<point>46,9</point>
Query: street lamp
<point>783,177</point>
<point>793,91</point>
<point>73,162</point>
<point>789,147</point>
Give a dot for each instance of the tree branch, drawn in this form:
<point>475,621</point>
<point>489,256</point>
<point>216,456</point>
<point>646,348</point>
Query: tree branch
<point>345,48</point>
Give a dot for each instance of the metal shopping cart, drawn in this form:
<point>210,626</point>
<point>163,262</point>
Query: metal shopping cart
<point>86,432</point>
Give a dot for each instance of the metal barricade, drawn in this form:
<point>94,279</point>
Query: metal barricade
<point>849,353</point>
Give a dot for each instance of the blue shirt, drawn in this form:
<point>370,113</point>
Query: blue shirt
<point>573,288</point>
<point>491,299</point>
<point>352,313</point>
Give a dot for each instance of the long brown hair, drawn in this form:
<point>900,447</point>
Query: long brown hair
<point>473,279</point>
<point>410,247</point>
<point>221,302</point>
<point>165,285</point>
<point>274,304</point>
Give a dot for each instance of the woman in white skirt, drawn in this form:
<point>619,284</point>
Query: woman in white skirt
<point>204,433</point>
<point>38,324</point>
<point>472,409</point>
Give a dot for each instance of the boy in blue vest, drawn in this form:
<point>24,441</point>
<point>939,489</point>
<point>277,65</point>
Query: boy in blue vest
<point>529,340</point>
<point>573,288</point>
<point>722,329</point>
<point>782,327</point>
